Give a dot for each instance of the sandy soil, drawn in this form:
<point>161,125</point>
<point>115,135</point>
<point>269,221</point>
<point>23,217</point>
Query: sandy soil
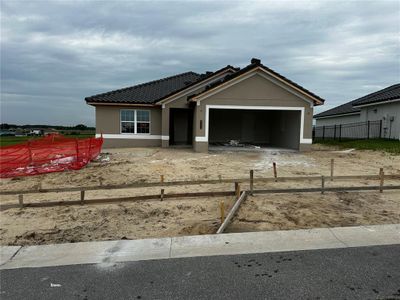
<point>198,216</point>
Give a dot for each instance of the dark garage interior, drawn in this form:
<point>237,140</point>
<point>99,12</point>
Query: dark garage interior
<point>266,128</point>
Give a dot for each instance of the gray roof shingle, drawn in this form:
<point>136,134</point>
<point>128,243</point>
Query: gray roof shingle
<point>389,93</point>
<point>343,109</point>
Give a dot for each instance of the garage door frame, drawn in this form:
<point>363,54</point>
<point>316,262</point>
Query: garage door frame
<point>253,107</point>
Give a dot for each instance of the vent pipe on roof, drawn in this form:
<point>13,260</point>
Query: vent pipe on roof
<point>255,61</point>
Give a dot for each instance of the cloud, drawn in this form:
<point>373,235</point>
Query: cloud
<point>55,53</point>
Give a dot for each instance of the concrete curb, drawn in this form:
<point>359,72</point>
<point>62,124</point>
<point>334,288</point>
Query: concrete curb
<point>106,253</point>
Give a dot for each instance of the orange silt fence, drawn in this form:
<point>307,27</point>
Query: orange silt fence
<point>52,153</point>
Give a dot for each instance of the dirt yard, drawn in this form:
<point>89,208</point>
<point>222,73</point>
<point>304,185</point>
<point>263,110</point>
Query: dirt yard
<point>147,219</point>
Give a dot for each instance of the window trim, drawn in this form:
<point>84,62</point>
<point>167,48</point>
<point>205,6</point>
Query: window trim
<point>134,122</point>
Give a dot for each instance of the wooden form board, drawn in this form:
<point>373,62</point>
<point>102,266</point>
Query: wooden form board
<point>192,195</point>
<point>193,182</point>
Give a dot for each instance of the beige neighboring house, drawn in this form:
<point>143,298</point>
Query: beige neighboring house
<point>253,105</point>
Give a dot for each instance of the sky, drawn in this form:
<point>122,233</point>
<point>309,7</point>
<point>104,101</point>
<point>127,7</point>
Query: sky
<point>56,53</point>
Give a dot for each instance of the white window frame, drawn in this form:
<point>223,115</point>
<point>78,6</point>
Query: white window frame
<point>134,122</point>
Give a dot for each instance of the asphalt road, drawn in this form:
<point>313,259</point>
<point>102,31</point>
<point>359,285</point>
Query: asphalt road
<point>351,273</point>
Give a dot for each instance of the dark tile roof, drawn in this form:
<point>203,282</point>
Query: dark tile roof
<point>389,93</point>
<point>149,92</point>
<point>254,64</point>
<point>155,91</point>
<point>343,109</point>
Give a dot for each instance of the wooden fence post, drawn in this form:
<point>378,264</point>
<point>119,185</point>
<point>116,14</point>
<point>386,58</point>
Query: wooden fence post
<point>21,201</point>
<point>332,165</point>
<point>380,128</point>
<point>162,178</point>
<point>275,172</point>
<point>322,184</point>
<point>340,132</point>
<point>222,210</point>
<point>162,195</point>
<point>237,190</point>
<point>323,132</point>
<point>381,177</point>
<point>82,197</point>
<point>251,181</point>
<point>368,126</point>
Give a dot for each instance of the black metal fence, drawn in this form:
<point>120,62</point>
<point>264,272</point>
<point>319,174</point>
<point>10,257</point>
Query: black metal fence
<point>358,131</point>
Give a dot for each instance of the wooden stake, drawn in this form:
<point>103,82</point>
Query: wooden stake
<point>82,197</point>
<point>382,176</point>
<point>21,201</point>
<point>222,210</point>
<point>275,173</point>
<point>332,164</point>
<point>162,195</point>
<point>251,181</point>
<point>322,184</point>
<point>237,190</point>
<point>162,178</point>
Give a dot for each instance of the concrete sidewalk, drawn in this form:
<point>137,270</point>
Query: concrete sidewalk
<point>109,252</point>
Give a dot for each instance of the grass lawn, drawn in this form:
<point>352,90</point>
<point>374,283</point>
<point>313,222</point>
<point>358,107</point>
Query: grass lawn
<point>391,146</point>
<point>13,140</point>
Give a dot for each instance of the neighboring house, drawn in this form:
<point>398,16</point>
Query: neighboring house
<point>253,105</point>
<point>383,105</point>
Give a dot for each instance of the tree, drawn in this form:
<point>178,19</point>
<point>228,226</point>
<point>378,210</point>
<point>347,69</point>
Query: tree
<point>81,127</point>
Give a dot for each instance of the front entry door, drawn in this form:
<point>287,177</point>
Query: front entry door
<point>181,126</point>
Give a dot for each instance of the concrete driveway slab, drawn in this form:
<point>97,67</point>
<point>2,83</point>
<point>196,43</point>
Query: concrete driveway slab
<point>105,253</point>
<point>368,235</point>
<point>7,252</point>
<point>254,242</point>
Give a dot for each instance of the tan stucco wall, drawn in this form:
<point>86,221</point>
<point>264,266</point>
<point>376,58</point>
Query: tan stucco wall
<point>254,91</point>
<point>108,118</point>
<point>128,143</point>
<point>108,122</point>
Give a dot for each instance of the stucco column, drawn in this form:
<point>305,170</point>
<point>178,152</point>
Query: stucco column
<point>307,129</point>
<point>165,127</point>
<point>199,129</point>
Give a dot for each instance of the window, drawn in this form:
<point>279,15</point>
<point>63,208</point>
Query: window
<point>135,121</point>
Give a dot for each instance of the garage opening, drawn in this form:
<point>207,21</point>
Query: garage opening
<point>264,128</point>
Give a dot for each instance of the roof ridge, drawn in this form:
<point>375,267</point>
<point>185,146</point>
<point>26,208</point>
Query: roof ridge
<point>202,77</point>
<point>141,84</point>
